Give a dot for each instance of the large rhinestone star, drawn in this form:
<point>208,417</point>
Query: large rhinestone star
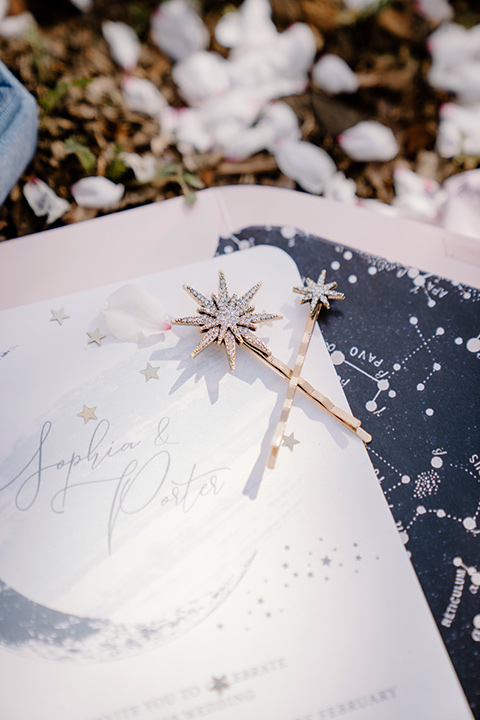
<point>318,292</point>
<point>227,319</point>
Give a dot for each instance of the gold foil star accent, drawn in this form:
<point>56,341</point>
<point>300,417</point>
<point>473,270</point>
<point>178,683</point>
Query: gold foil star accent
<point>219,684</point>
<point>150,372</point>
<point>319,292</point>
<point>289,441</point>
<point>227,318</point>
<point>59,316</point>
<point>95,337</point>
<point>88,413</point>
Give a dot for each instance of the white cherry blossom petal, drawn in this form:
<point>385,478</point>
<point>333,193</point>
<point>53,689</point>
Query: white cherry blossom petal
<point>177,30</point>
<point>310,166</point>
<point>379,207</point>
<point>369,141</point>
<point>458,130</point>
<point>44,201</point>
<point>97,192</point>
<point>461,212</point>
<point>192,132</point>
<point>360,5</point>
<point>142,96</point>
<point>14,26</point>
<point>435,10</point>
<point>201,76</point>
<point>83,5</point>
<point>134,315</point>
<point>249,26</point>
<point>341,189</point>
<point>4,8</point>
<point>143,166</point>
<point>417,207</point>
<point>124,44</point>
<point>463,80</point>
<point>407,182</point>
<point>452,45</point>
<point>333,75</point>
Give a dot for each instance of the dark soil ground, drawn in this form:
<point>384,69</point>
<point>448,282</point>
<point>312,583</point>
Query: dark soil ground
<point>84,126</point>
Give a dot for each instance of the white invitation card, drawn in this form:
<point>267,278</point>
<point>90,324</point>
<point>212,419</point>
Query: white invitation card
<point>152,568</point>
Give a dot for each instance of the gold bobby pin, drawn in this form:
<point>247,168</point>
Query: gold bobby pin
<point>317,294</point>
<point>230,319</point>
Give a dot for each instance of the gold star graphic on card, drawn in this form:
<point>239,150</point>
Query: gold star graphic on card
<point>319,292</point>
<point>219,684</point>
<point>289,441</point>
<point>88,413</point>
<point>227,318</point>
<point>150,372</point>
<point>59,316</point>
<point>95,337</point>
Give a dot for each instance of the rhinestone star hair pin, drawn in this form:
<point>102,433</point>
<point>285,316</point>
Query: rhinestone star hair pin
<point>231,320</point>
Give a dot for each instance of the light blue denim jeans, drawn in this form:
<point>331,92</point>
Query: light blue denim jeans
<point>18,130</point>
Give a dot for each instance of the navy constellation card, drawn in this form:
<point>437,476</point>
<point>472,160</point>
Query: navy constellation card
<point>406,345</point>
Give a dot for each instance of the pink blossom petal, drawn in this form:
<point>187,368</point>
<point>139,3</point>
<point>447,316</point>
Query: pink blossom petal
<point>307,164</point>
<point>134,315</point>
<point>97,192</point>
<point>142,96</point>
<point>379,207</point>
<point>44,201</point>
<point>15,26</point>
<point>192,132</point>
<point>369,141</point>
<point>407,182</point>
<point>452,45</point>
<point>360,5</point>
<point>435,10</point>
<point>463,80</point>
<point>297,49</point>
<point>333,75</point>
<point>124,44</point>
<point>417,207</point>
<point>201,76</point>
<point>341,189</point>
<point>177,30</point>
<point>461,212</point>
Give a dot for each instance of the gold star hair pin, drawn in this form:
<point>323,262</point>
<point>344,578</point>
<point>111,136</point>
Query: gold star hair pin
<point>231,320</point>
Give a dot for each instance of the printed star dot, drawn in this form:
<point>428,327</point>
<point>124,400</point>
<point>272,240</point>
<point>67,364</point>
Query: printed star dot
<point>95,337</point>
<point>318,292</point>
<point>219,684</point>
<point>358,557</point>
<point>150,372</point>
<point>88,413</point>
<point>326,560</point>
<point>310,574</point>
<point>289,441</point>
<point>59,316</point>
<point>269,615</point>
<point>260,601</point>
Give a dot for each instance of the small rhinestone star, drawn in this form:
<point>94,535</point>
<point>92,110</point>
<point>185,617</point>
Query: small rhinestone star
<point>318,292</point>
<point>227,319</point>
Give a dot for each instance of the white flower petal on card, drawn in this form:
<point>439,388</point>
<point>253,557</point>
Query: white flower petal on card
<point>124,44</point>
<point>333,75</point>
<point>369,141</point>
<point>310,166</point>
<point>341,189</point>
<point>44,201</point>
<point>97,192</point>
<point>435,10</point>
<point>134,315</point>
<point>83,5</point>
<point>177,30</point>
<point>15,26</point>
<point>142,96</point>
<point>201,76</point>
<point>249,26</point>
<point>461,211</point>
<point>143,166</point>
